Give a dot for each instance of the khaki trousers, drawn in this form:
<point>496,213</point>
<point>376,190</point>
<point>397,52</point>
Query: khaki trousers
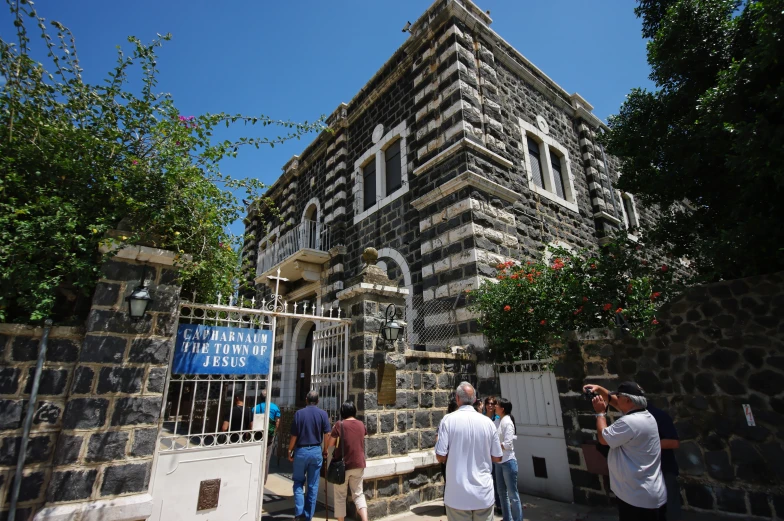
<point>453,514</point>
<point>353,480</point>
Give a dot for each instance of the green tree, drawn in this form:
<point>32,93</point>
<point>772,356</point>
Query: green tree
<point>78,159</point>
<point>711,134</point>
<point>531,306</point>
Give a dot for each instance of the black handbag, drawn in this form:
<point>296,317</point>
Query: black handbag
<point>336,472</point>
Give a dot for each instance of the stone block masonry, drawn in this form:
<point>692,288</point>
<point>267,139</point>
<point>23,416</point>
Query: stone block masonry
<point>101,394</point>
<point>18,353</point>
<point>719,348</point>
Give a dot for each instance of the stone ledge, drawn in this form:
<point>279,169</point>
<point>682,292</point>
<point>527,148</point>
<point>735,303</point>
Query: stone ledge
<point>440,356</point>
<point>467,178</point>
<point>395,466</point>
<point>130,508</point>
<point>37,331</point>
<point>142,254</point>
<point>453,149</point>
<point>364,287</point>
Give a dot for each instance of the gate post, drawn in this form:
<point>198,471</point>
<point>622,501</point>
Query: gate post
<point>105,451</point>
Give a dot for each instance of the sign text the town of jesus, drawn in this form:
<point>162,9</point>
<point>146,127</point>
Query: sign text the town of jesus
<point>204,349</point>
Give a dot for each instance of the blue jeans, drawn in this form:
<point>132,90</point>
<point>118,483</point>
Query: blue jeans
<point>506,478</point>
<point>307,466</point>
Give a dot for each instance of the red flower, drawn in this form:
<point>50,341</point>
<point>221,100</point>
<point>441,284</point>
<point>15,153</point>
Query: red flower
<point>655,322</point>
<point>656,295</point>
<point>514,276</point>
<point>558,264</point>
<point>593,266</point>
<point>607,307</point>
<point>619,310</point>
<point>578,310</point>
<point>585,299</point>
<point>543,322</point>
<point>500,266</point>
<point>664,268</point>
<point>507,308</point>
<point>509,264</point>
<point>501,277</point>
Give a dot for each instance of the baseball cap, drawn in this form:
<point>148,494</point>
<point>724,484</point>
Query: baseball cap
<point>630,388</point>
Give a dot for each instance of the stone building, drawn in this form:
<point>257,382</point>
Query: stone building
<point>458,154</point>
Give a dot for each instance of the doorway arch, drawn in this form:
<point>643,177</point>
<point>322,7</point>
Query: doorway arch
<point>302,345</point>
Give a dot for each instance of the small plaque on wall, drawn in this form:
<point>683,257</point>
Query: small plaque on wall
<point>387,384</point>
<point>209,493</point>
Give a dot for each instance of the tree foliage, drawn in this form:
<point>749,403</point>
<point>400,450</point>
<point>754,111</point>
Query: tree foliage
<point>76,159</point>
<point>531,306</point>
<point>711,134</point>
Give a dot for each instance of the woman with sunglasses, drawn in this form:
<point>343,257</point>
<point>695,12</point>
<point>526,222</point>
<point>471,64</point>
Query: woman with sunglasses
<point>506,471</point>
<point>490,404</point>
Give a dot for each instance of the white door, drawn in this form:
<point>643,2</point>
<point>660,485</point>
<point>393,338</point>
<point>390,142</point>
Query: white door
<point>540,447</point>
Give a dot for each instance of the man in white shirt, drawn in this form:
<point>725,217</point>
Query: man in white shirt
<point>468,444</point>
<point>635,452</point>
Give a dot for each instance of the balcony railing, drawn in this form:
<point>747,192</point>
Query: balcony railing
<point>307,235</point>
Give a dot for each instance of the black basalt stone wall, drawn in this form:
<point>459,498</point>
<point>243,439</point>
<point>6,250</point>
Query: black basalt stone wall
<point>720,346</point>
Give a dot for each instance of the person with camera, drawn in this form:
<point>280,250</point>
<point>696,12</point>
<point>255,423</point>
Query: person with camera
<point>348,438</point>
<point>635,452</point>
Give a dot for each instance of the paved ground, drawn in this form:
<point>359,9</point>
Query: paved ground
<point>279,506</point>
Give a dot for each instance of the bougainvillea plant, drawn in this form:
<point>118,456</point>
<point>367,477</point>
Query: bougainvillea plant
<point>79,160</point>
<point>531,306</point>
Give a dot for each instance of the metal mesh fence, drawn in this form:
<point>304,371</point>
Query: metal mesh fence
<point>435,325</point>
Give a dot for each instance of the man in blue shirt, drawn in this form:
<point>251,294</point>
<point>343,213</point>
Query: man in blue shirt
<point>308,449</point>
<point>668,437</point>
<point>272,430</point>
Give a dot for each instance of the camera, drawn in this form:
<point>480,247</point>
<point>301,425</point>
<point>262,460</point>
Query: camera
<point>589,395</point>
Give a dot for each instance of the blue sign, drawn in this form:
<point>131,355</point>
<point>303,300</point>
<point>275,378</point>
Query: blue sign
<point>204,349</point>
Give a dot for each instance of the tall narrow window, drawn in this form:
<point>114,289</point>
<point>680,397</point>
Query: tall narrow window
<point>369,184</point>
<point>536,163</point>
<point>555,162</point>
<point>392,164</point>
<point>630,215</point>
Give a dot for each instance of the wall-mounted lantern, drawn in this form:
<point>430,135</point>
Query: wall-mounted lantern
<point>139,299</point>
<point>391,329</point>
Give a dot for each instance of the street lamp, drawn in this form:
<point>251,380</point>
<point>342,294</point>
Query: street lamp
<point>139,299</point>
<point>391,328</point>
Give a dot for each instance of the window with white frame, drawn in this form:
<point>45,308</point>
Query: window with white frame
<point>547,166</point>
<point>630,218</point>
<point>380,174</point>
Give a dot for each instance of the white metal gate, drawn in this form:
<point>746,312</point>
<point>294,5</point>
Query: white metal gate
<point>204,450</point>
<point>541,446</point>
<point>328,368</point>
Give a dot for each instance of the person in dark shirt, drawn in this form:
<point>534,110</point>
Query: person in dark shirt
<point>668,437</point>
<point>239,418</point>
<point>309,433</point>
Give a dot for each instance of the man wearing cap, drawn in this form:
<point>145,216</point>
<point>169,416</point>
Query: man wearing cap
<point>635,452</point>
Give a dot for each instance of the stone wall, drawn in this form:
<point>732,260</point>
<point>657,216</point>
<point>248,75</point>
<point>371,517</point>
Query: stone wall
<point>720,346</point>
<point>19,351</point>
<point>96,424</point>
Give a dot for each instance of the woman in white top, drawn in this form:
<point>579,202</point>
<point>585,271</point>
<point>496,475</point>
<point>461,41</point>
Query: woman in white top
<point>506,471</point>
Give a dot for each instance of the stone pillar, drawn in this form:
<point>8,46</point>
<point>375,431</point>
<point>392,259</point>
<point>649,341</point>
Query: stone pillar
<point>402,470</point>
<point>105,451</point>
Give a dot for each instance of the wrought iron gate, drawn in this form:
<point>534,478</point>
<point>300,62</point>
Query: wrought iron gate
<point>212,448</point>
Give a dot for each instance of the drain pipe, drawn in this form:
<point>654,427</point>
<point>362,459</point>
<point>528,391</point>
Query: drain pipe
<point>28,423</point>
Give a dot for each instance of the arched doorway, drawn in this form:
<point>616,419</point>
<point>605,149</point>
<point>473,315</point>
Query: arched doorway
<point>304,345</point>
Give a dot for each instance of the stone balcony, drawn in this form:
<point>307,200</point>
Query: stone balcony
<point>300,254</point>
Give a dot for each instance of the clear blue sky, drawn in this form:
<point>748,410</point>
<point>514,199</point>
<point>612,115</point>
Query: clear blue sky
<point>298,59</point>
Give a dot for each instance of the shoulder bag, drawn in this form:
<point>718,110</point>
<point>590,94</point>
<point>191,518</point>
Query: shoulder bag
<point>336,472</point>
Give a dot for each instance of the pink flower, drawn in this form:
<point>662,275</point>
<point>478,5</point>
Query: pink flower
<point>134,162</point>
<point>655,322</point>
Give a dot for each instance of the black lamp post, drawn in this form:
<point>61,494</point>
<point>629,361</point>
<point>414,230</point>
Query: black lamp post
<point>139,299</point>
<point>391,329</point>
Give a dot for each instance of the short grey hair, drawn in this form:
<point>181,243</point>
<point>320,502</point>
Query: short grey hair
<point>466,393</point>
<point>312,397</point>
<point>640,402</point>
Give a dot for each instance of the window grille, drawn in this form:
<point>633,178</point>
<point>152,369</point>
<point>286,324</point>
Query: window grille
<point>536,164</point>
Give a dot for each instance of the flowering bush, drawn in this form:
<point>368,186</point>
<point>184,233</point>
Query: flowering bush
<point>78,160</point>
<point>532,305</point>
